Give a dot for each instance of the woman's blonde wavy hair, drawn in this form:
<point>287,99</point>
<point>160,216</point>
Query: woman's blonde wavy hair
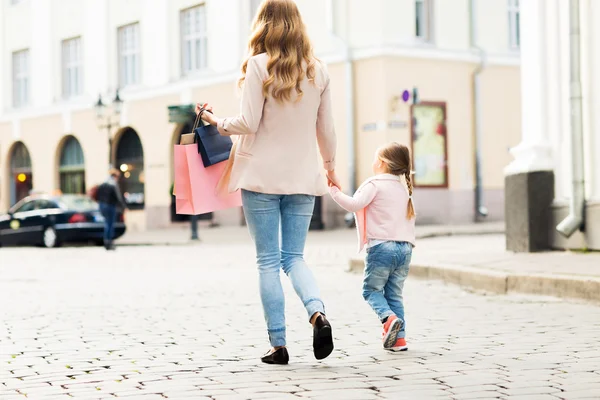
<point>279,31</point>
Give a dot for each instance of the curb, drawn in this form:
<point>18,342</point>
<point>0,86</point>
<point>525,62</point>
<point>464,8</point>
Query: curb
<point>459,233</point>
<point>166,244</point>
<point>564,286</point>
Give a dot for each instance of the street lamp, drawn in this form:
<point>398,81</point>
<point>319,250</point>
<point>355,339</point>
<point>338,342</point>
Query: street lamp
<point>105,119</point>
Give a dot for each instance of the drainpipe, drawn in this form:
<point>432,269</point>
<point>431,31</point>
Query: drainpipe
<point>480,210</point>
<point>350,123</point>
<point>350,118</point>
<point>575,219</point>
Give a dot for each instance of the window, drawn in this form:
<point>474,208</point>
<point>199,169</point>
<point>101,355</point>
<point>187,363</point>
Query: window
<point>72,74</point>
<point>423,19</point>
<point>72,167</point>
<point>21,78</point>
<point>77,203</point>
<point>194,39</point>
<point>129,55</point>
<point>20,173</point>
<point>29,206</point>
<point>45,205</point>
<point>130,159</point>
<point>514,24</point>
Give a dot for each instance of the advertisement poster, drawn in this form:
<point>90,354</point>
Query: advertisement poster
<point>429,144</point>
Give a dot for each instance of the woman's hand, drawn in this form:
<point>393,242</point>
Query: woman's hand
<point>332,180</point>
<point>207,115</point>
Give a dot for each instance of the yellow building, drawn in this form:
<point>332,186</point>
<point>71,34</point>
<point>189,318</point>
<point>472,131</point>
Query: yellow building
<point>58,56</point>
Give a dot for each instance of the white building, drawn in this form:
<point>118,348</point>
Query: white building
<point>58,56</point>
<point>545,151</point>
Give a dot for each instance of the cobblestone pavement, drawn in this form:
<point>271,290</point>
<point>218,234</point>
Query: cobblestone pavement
<point>185,323</point>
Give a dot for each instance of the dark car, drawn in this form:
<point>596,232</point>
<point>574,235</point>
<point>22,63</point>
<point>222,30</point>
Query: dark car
<point>50,221</point>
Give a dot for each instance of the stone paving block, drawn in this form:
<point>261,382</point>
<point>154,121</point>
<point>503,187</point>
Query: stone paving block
<point>338,385</point>
<point>525,383</point>
<point>593,387</point>
<point>232,397</point>
<point>389,382</point>
<point>277,396</point>
<point>415,387</point>
<point>216,392</point>
<point>350,394</point>
<point>461,381</point>
<point>270,389</point>
<point>473,389</point>
<point>574,379</point>
<point>582,394</point>
<point>484,395</point>
<point>536,397</point>
<point>532,390</point>
<point>423,394</point>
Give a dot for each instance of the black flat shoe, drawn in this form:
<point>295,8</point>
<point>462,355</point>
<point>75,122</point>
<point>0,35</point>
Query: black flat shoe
<point>279,357</point>
<point>322,338</point>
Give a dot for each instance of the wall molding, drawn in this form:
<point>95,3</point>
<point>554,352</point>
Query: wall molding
<point>141,93</point>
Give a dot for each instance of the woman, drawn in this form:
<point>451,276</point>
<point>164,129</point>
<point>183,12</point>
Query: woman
<point>285,112</point>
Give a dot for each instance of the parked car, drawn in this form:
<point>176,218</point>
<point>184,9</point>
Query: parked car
<point>50,221</point>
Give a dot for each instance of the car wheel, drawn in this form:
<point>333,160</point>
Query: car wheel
<point>50,238</point>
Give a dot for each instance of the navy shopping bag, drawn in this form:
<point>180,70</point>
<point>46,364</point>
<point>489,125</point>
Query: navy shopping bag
<point>212,147</point>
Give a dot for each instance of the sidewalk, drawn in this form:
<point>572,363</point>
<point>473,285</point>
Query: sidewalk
<point>482,263</point>
<point>181,235</point>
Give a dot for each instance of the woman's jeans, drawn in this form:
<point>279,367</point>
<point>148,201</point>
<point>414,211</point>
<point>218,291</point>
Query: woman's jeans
<point>386,270</point>
<point>278,225</point>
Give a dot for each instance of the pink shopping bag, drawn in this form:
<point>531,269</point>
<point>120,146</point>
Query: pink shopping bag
<point>196,186</point>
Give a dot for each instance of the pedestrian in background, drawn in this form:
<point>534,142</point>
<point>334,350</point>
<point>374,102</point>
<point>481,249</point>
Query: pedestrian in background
<point>286,110</point>
<point>385,217</point>
<point>111,203</point>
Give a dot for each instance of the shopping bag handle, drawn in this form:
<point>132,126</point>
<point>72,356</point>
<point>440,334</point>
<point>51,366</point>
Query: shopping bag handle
<point>199,118</point>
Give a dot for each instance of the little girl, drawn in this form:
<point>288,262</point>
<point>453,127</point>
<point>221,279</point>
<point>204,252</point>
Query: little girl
<point>385,219</point>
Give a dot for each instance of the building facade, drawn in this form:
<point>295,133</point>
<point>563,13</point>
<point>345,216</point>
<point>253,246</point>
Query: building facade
<point>421,72</point>
<point>543,161</point>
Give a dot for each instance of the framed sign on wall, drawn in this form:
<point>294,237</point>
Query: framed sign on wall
<point>429,144</point>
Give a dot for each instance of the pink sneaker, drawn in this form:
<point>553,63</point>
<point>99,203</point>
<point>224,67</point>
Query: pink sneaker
<point>390,331</point>
<point>400,345</point>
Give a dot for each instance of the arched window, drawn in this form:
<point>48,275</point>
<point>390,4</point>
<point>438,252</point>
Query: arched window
<point>72,167</point>
<point>130,160</point>
<point>20,173</point>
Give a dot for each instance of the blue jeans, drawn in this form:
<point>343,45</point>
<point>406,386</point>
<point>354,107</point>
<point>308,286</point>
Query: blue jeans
<point>109,212</point>
<point>279,225</point>
<point>386,270</point>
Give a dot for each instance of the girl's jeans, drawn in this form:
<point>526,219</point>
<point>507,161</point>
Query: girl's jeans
<point>386,270</point>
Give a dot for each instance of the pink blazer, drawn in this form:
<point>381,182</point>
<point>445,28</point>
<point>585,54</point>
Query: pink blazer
<point>277,150</point>
<point>380,207</point>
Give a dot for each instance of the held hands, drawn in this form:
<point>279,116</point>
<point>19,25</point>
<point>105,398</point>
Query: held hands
<point>208,115</point>
<point>332,180</point>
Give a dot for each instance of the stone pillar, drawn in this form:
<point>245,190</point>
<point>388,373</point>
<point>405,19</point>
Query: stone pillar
<point>529,179</point>
<point>42,68</point>
<point>594,56</point>
<point>156,43</point>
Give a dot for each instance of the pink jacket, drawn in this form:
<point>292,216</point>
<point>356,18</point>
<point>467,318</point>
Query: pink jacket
<point>380,207</point>
<point>277,151</point>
